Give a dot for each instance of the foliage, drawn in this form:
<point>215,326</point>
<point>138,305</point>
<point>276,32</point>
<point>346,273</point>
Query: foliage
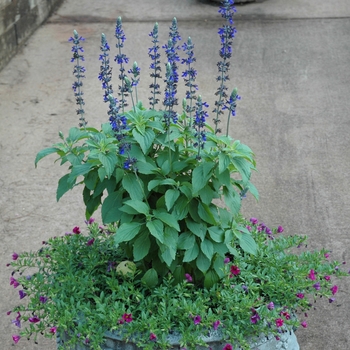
<point>82,285</point>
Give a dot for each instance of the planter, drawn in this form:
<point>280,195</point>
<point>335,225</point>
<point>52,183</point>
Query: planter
<point>288,341</point>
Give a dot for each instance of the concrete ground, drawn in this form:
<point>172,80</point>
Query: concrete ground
<point>291,64</point>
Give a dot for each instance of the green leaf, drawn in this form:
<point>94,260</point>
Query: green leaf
<point>63,186</point>
<point>145,139</point>
<point>109,162</point>
<point>78,170</point>
<point>216,234</point>
<point>91,179</point>
<point>246,242</point>
<point>156,228</point>
<point>202,262</point>
<point>110,207</point>
<point>243,166</point>
<point>199,229</point>
<point>168,219</point>
<point>186,240</point>
<point>181,208</point>
<point>126,232</point>
<point>232,200</point>
<point>152,184</point>
<point>210,279</point>
<point>74,134</point>
<point>150,278</point>
<point>205,214</point>
<point>146,168</point>
<point>139,206</point>
<point>132,186</point>
<point>201,175</point>
<point>219,266</point>
<point>207,248</point>
<point>207,194</point>
<point>45,152</point>
<point>170,197</point>
<point>224,161</point>
<point>191,253</point>
<point>142,245</point>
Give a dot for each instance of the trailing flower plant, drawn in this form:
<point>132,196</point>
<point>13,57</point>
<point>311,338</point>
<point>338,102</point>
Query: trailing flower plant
<point>174,254</point>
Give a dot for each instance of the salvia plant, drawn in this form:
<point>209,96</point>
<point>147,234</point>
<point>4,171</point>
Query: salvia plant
<point>174,254</point>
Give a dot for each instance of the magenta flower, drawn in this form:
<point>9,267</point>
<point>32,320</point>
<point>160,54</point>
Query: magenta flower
<point>34,319</point>
<point>188,277</point>
<point>13,282</point>
<point>304,324</point>
<point>300,295</point>
<point>249,228</point>
<point>53,330</point>
<point>216,325</point>
<point>255,318</point>
<point>227,347</point>
<point>90,242</point>
<point>327,278</point>
<point>280,229</point>
<point>152,337</point>
<point>76,230</point>
<point>234,270</point>
<point>43,299</point>
<point>271,306</point>
<point>279,322</point>
<point>326,255</point>
<point>22,294</point>
<point>90,221</point>
<point>197,319</point>
<point>254,221</point>
<point>14,256</point>
<point>127,318</point>
<point>16,338</point>
<point>311,275</point>
<point>334,290</point>
<point>285,314</point>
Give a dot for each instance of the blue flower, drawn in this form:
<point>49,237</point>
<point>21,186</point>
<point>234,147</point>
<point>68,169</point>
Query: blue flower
<point>199,124</point>
<point>121,58</point>
<point>78,72</point>
<point>105,70</point>
<point>154,54</point>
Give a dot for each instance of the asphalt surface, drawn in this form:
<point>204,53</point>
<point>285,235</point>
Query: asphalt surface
<point>291,64</point>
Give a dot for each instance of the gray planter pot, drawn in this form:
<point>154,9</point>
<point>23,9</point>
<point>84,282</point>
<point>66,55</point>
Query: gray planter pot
<point>288,341</point>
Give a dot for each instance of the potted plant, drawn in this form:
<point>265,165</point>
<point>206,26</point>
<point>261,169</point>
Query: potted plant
<point>174,264</point>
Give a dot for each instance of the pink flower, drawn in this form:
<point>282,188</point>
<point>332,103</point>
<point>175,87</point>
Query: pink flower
<point>227,347</point>
<point>152,337</point>
<point>277,337</point>
<point>279,322</point>
<point>311,275</point>
<point>304,324</point>
<point>216,325</point>
<point>227,260</point>
<point>14,256</point>
<point>197,319</point>
<point>334,290</point>
<point>327,278</point>
<point>300,295</point>
<point>249,228</point>
<point>16,338</point>
<point>234,270</point>
<point>326,255</point>
<point>127,318</point>
<point>53,330</point>
<point>76,230</point>
<point>188,277</point>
